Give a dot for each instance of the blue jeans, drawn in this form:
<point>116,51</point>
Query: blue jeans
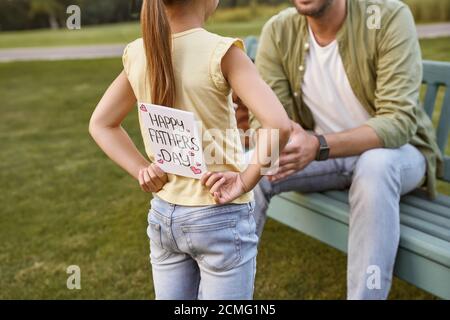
<point>376,179</point>
<point>216,244</point>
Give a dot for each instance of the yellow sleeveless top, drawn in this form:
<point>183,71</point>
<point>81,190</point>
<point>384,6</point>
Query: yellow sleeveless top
<point>203,90</point>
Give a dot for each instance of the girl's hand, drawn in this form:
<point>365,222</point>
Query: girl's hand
<point>152,178</point>
<point>224,186</point>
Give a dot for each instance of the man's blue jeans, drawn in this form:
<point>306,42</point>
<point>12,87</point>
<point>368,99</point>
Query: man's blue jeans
<point>216,244</point>
<point>376,179</point>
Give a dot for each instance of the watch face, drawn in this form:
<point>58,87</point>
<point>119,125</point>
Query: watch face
<point>324,149</point>
<point>324,153</point>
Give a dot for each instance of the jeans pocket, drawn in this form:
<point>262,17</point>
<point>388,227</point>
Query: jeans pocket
<point>157,252</point>
<point>154,233</point>
<point>215,244</point>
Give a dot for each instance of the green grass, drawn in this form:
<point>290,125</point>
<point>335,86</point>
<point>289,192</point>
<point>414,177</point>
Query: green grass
<point>64,203</point>
<point>109,34</point>
<point>105,34</point>
<point>237,22</point>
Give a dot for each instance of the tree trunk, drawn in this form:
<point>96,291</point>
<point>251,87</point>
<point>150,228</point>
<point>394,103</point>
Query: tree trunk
<point>54,24</point>
<point>233,3</point>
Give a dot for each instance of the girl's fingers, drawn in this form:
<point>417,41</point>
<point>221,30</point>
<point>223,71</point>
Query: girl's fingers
<point>217,185</point>
<point>157,181</point>
<point>282,176</point>
<point>213,179</point>
<point>148,181</point>
<point>142,182</point>
<point>216,196</point>
<point>160,173</point>
<point>285,168</point>
<point>205,177</point>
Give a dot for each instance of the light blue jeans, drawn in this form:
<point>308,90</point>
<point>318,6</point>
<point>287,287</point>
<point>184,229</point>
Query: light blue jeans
<point>216,244</point>
<point>376,179</point>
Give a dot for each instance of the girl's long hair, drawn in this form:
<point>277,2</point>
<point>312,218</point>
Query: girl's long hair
<point>157,37</point>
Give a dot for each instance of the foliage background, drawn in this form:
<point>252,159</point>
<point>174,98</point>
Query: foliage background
<point>33,14</point>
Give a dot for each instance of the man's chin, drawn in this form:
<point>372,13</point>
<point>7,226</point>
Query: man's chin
<point>310,8</point>
<point>306,11</point>
<point>305,7</point>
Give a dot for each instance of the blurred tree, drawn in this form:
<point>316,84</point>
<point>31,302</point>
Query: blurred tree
<point>14,15</point>
<point>51,9</point>
<point>31,14</point>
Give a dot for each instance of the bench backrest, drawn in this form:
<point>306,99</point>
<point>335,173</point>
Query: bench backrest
<point>435,75</point>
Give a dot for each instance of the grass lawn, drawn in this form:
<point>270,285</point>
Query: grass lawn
<point>237,22</point>
<point>107,34</point>
<point>64,203</point>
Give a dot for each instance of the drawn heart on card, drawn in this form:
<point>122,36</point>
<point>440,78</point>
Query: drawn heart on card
<point>161,161</point>
<point>196,170</point>
<point>143,108</point>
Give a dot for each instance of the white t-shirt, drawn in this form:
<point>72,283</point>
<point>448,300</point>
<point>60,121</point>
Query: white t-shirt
<point>327,91</point>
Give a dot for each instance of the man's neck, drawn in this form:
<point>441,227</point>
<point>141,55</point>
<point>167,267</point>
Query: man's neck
<point>326,27</point>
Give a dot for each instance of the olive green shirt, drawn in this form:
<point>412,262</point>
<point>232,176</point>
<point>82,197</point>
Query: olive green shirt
<point>383,66</point>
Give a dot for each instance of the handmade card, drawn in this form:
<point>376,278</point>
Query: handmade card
<point>174,140</point>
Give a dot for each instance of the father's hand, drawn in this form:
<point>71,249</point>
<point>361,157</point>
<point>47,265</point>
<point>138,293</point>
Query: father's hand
<point>298,153</point>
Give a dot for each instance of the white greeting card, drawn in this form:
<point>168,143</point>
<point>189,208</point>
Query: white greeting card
<point>174,140</point>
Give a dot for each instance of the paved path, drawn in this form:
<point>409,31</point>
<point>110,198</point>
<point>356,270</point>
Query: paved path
<point>114,50</point>
<point>61,53</point>
<point>436,30</point>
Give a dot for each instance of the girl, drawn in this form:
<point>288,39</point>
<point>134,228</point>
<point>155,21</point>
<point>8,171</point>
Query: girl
<point>199,229</point>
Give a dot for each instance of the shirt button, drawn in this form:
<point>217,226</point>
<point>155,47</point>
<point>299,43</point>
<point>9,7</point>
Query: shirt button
<point>296,94</point>
<point>301,68</point>
<point>306,46</point>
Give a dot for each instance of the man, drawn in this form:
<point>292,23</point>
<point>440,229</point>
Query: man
<point>349,73</point>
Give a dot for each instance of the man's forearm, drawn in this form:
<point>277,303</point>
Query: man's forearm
<point>353,142</point>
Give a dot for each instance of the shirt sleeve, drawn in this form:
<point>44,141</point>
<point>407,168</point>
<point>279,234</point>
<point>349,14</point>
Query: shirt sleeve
<point>126,60</point>
<point>216,61</point>
<point>399,77</point>
<point>270,66</point>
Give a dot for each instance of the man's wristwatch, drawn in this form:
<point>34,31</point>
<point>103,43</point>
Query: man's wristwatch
<point>324,149</point>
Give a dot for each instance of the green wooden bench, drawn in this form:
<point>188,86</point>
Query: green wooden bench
<point>423,257</point>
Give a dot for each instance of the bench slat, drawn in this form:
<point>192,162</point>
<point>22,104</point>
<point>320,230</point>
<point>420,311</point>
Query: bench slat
<point>414,240</point>
<point>436,72</point>
<point>408,202</point>
<point>435,75</point>
<point>425,226</point>
<point>430,99</point>
<point>251,45</point>
<point>421,220</point>
<point>446,169</point>
<point>425,215</point>
<point>444,123</point>
<point>427,205</point>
